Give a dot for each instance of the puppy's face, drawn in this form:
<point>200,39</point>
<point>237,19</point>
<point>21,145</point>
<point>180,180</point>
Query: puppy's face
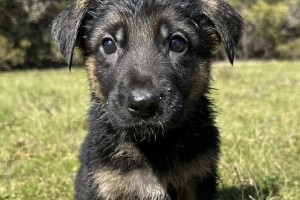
<point>149,61</point>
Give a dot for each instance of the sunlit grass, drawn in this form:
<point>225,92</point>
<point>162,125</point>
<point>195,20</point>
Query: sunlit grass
<point>259,112</point>
<point>43,122</point>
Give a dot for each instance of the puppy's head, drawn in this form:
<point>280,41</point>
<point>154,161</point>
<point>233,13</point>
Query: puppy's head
<point>148,60</point>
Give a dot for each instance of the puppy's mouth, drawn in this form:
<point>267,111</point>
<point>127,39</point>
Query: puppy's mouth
<point>145,116</point>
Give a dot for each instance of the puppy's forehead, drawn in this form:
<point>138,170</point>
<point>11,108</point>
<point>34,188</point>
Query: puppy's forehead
<point>141,18</point>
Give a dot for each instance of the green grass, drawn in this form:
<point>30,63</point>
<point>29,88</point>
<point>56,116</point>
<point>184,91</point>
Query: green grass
<point>259,113</point>
<point>43,122</point>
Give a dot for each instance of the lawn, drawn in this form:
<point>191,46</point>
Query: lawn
<point>43,122</point>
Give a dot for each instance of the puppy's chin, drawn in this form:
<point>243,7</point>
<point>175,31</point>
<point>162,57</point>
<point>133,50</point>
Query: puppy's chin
<point>150,128</point>
<point>145,132</point>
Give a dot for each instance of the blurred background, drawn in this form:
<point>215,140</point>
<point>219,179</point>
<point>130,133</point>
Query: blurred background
<point>272,30</point>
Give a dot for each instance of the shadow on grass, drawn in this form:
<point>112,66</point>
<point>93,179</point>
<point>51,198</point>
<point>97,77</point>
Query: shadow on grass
<point>269,188</point>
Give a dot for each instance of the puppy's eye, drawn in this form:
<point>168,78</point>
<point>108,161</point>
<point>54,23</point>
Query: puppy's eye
<point>109,46</point>
<point>178,44</point>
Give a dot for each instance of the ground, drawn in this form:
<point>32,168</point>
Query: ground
<point>43,122</point>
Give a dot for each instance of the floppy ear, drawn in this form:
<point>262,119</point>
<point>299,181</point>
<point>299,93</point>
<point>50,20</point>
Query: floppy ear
<point>228,23</point>
<point>66,26</point>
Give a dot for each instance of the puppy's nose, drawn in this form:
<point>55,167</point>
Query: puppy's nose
<point>143,103</point>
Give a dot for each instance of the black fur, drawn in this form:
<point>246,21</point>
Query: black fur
<point>168,147</point>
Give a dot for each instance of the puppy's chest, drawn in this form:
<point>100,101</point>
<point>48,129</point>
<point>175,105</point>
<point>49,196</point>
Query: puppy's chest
<point>145,182</point>
<point>142,184</point>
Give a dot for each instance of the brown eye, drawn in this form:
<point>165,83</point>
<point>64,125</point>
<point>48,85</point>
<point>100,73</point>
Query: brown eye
<point>109,46</point>
<point>178,44</point>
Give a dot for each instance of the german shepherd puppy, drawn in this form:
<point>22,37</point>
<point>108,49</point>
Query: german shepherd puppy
<point>152,134</point>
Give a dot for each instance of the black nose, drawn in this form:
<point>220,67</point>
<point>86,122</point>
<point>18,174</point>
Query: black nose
<point>143,103</point>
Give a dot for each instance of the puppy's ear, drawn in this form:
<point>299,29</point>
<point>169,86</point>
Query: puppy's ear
<point>228,23</point>
<point>66,26</point>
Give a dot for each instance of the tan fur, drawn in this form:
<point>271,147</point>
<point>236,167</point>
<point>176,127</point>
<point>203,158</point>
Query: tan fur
<point>81,4</point>
<point>94,82</point>
<point>201,79</point>
<point>213,4</point>
<point>141,184</point>
<point>144,184</point>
